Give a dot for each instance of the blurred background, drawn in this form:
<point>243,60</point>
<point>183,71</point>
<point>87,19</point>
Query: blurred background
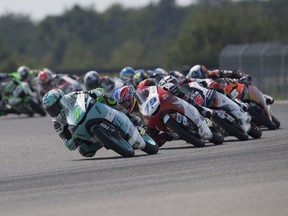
<point>76,36</point>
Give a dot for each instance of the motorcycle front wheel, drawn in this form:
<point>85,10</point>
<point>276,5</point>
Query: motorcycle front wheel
<point>255,131</point>
<point>231,129</point>
<point>112,139</point>
<point>184,134</point>
<point>151,147</point>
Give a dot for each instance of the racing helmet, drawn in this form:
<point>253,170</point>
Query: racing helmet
<point>168,79</point>
<point>91,80</point>
<point>177,74</point>
<point>197,71</point>
<point>45,76</point>
<point>126,74</point>
<point>158,74</point>
<point>139,76</point>
<point>24,73</point>
<point>160,71</point>
<point>51,101</point>
<point>125,97</point>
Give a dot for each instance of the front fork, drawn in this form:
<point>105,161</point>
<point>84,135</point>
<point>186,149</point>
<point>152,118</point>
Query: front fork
<point>123,122</point>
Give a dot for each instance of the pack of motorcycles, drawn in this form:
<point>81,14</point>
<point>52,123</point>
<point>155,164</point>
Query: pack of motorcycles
<point>166,113</point>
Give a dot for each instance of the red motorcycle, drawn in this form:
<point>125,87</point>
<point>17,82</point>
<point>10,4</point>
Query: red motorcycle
<point>166,112</point>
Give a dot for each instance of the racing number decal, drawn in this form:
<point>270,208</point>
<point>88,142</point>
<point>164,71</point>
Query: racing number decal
<point>198,99</point>
<point>152,101</point>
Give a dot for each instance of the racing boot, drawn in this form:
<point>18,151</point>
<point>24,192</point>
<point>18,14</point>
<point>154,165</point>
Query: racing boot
<point>227,104</point>
<point>135,138</point>
<point>204,130</point>
<point>245,122</point>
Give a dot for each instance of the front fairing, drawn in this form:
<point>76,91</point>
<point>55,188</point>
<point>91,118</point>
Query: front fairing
<point>157,103</point>
<point>76,110</point>
<point>79,110</point>
<point>252,95</point>
<point>148,101</point>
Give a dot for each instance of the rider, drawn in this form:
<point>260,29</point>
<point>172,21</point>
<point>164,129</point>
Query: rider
<point>28,75</point>
<point>92,80</point>
<point>126,98</point>
<point>24,73</point>
<point>214,79</point>
<point>126,76</point>
<point>56,103</point>
<point>48,80</point>
<point>177,74</point>
<point>139,75</point>
<point>201,96</point>
<point>157,74</point>
<point>5,108</point>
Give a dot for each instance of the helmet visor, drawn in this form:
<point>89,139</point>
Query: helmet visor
<point>54,110</point>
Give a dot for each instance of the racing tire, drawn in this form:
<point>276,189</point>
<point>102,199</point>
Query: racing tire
<point>112,139</point>
<point>151,147</point>
<point>231,129</point>
<point>218,137</point>
<point>276,122</point>
<point>255,131</point>
<point>259,117</point>
<point>185,135</point>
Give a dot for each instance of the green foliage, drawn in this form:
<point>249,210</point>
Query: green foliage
<point>207,30</point>
<point>161,34</point>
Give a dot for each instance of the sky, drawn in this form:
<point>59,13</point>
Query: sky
<point>38,9</point>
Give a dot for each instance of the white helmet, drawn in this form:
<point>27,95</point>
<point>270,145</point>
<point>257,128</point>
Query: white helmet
<point>24,73</point>
<point>92,80</point>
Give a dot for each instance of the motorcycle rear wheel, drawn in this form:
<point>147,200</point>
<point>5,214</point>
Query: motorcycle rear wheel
<point>231,129</point>
<point>112,139</point>
<point>218,137</point>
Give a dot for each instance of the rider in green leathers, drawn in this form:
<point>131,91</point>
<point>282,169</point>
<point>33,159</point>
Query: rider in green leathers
<point>53,103</point>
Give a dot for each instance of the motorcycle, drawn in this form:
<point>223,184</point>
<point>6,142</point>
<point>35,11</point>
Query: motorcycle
<point>258,109</point>
<point>20,98</point>
<point>166,112</point>
<point>226,114</point>
<point>94,121</point>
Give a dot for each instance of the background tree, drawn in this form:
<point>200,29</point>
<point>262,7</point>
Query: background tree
<point>160,34</point>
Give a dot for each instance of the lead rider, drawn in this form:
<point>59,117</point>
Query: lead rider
<point>55,102</point>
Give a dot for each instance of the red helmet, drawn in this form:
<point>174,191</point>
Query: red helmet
<point>125,97</point>
<point>45,76</point>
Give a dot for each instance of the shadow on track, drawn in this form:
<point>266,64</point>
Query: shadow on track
<point>110,158</point>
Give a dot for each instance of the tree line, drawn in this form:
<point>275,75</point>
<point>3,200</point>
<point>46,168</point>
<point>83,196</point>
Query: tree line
<point>160,34</point>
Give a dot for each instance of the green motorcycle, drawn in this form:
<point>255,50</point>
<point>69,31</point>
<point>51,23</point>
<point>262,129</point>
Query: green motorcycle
<point>19,97</point>
<point>91,120</point>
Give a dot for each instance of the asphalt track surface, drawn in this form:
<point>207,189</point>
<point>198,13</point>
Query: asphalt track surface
<point>38,176</point>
